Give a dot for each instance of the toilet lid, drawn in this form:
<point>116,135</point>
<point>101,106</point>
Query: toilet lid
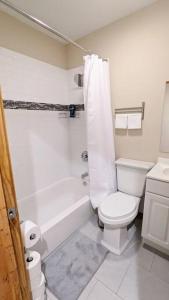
<point>118,205</point>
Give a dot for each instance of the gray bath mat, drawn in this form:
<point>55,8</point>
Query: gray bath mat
<point>70,267</point>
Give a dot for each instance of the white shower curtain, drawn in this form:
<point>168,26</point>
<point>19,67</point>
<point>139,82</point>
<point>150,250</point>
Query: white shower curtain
<point>100,134</point>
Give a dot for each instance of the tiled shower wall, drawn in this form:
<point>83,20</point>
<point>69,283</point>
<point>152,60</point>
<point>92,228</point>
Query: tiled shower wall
<point>77,128</point>
<point>39,140</point>
<point>44,147</point>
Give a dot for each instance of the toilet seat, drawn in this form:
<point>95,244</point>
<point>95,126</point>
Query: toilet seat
<point>118,208</point>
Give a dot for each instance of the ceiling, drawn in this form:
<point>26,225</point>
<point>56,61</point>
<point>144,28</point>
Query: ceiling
<point>77,18</point>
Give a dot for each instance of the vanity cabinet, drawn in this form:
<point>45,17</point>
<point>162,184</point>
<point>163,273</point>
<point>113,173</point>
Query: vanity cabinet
<point>155,230</point>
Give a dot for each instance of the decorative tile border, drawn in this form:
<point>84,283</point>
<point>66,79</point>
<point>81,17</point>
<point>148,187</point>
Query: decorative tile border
<point>26,105</point>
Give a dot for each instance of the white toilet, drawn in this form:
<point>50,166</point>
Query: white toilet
<point>119,209</point>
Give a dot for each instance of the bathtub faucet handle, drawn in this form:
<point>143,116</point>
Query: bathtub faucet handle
<point>84,156</point>
<point>32,236</point>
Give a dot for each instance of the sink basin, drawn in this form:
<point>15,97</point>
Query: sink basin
<point>166,171</point>
<point>160,171</point>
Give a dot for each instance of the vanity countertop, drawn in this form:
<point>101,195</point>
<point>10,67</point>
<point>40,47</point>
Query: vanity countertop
<point>160,171</point>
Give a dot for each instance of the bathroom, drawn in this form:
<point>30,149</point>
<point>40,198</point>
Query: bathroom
<point>81,246</point>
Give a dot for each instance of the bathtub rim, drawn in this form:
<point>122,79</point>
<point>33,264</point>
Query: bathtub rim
<point>46,226</point>
<point>57,182</point>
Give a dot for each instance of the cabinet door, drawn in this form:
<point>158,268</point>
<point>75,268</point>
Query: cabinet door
<point>156,219</point>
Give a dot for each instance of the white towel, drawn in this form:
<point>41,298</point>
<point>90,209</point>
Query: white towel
<point>121,121</point>
<point>134,121</point>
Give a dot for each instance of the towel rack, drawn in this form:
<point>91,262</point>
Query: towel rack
<point>127,110</point>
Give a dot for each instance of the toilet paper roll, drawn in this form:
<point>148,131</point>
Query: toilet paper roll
<point>33,265</point>
<point>30,233</point>
<point>40,290</point>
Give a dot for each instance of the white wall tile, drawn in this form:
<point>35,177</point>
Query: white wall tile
<point>44,147</point>
<point>39,147</point>
<point>28,79</point>
<point>39,140</point>
<point>75,92</point>
<point>77,132</point>
<point>77,126</point>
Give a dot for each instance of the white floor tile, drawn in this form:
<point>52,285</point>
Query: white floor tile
<point>140,256</point>
<point>140,284</point>
<point>144,258</point>
<point>100,292</point>
<point>132,249</point>
<point>136,275</point>
<point>160,268</point>
<point>88,289</point>
<point>112,271</point>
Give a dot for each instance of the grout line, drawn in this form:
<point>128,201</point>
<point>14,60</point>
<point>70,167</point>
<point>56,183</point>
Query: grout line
<point>152,263</point>
<point>115,291</point>
<point>90,290</point>
<point>155,275</point>
<point>107,287</point>
<point>141,267</point>
<point>123,277</point>
<point>161,280</point>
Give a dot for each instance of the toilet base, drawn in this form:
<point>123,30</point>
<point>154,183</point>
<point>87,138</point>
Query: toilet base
<point>117,239</point>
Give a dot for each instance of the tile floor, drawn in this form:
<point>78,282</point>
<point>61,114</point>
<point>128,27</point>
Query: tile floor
<point>138,274</point>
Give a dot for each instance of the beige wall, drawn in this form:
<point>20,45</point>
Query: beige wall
<point>138,49</point>
<point>24,39</point>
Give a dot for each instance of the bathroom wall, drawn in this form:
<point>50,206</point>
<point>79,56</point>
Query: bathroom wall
<point>39,140</point>
<point>44,145</point>
<point>138,49</point>
<point>22,38</point>
<point>77,126</point>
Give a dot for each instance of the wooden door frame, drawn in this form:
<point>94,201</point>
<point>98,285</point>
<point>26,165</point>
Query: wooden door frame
<point>7,183</point>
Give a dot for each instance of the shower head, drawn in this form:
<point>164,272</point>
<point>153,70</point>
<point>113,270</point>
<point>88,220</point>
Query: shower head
<point>78,79</point>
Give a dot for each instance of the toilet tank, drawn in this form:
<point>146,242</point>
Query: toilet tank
<point>131,175</point>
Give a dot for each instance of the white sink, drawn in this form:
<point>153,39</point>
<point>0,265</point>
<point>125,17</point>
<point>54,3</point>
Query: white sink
<point>160,171</point>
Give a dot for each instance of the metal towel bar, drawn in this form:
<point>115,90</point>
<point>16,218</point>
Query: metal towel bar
<point>128,110</point>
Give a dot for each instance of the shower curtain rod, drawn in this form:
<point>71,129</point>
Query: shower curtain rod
<point>45,26</point>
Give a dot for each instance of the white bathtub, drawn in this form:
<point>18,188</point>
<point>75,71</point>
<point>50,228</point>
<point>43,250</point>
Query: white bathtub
<point>59,210</point>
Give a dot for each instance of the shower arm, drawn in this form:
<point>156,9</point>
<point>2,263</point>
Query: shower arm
<point>45,26</point>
